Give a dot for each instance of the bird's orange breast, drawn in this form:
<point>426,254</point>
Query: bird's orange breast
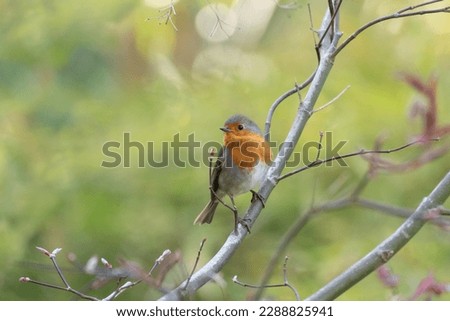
<point>248,149</point>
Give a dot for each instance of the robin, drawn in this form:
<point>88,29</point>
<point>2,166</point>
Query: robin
<point>241,166</point>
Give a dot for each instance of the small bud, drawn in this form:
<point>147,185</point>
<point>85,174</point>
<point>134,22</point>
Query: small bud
<point>43,251</point>
<point>91,265</point>
<point>163,256</point>
<point>24,279</point>
<point>235,279</point>
<point>56,251</point>
<point>106,263</point>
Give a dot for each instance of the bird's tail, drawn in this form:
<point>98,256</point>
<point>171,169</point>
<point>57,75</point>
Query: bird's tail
<point>207,214</point>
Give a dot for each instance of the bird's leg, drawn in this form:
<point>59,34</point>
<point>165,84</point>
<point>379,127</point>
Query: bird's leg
<point>233,208</point>
<point>235,212</point>
<point>256,195</point>
<point>237,219</point>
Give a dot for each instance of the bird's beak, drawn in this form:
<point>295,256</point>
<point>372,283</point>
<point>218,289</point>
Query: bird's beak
<point>225,129</point>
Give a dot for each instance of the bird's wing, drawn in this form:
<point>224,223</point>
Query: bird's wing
<point>214,180</point>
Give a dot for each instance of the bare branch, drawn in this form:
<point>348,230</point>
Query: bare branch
<point>332,100</point>
<point>233,241</point>
<point>129,284</point>
<point>334,10</point>
<point>361,152</point>
<point>399,14</point>
<point>353,199</point>
<point>388,248</point>
<point>292,232</point>
<point>196,261</point>
<point>284,284</point>
<point>418,6</point>
<point>328,21</point>
<point>66,287</point>
<point>279,100</point>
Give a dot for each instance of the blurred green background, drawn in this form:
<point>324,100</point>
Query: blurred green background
<point>77,74</point>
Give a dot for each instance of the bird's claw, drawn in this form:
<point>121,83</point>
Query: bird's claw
<point>257,196</point>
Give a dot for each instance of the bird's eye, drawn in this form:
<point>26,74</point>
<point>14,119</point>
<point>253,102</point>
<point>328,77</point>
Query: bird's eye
<point>240,127</point>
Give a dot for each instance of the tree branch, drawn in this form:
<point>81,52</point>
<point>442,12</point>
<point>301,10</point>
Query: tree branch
<point>330,35</point>
<point>265,286</point>
<point>388,248</point>
<point>292,232</point>
<point>207,272</point>
<point>279,100</point>
<point>319,162</point>
<point>353,199</point>
<point>399,14</point>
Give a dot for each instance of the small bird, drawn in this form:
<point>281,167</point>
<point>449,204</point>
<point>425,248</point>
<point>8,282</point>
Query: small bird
<point>241,166</point>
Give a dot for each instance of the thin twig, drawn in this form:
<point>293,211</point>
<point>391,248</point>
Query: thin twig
<point>291,233</point>
<point>299,94</point>
<point>319,146</point>
<point>58,270</point>
<point>418,6</point>
<point>363,182</point>
<point>311,27</point>
<point>279,100</point>
<point>57,287</point>
<point>67,287</point>
<point>383,208</point>
<point>333,13</point>
<point>399,14</point>
<point>284,284</point>
<point>332,100</point>
<point>319,149</point>
<point>130,284</point>
<point>196,262</point>
<point>334,158</point>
